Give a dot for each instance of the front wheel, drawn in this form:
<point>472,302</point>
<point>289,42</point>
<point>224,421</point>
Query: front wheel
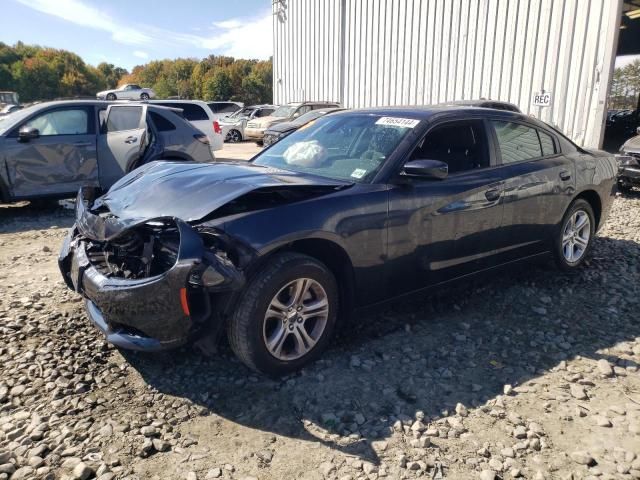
<point>234,136</point>
<point>286,315</point>
<point>575,236</point>
<point>111,96</point>
<point>144,96</point>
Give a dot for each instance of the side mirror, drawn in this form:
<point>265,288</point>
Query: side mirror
<point>427,169</point>
<point>28,133</point>
<point>296,115</point>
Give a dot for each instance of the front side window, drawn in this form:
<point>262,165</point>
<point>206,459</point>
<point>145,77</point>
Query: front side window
<point>61,122</point>
<point>517,142</point>
<point>124,118</point>
<point>346,147</point>
<point>461,145</point>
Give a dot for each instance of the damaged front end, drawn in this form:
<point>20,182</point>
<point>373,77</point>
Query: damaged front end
<point>149,284</point>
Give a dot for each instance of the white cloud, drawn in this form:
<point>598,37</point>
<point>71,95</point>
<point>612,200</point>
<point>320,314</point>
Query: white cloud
<point>237,37</point>
<point>244,38</point>
<point>77,12</point>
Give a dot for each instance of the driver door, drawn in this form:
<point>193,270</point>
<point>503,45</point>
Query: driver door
<point>443,229</point>
<point>59,159</point>
<point>122,142</point>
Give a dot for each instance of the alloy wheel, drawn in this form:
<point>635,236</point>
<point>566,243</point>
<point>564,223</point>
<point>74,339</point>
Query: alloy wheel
<point>233,136</point>
<point>295,319</point>
<point>575,236</point>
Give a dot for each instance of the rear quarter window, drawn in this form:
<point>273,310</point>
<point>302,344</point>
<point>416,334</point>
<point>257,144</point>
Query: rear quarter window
<point>161,123</point>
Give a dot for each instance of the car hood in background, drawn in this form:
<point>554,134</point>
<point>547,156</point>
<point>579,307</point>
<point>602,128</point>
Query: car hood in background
<point>632,145</point>
<point>284,127</point>
<point>190,191</point>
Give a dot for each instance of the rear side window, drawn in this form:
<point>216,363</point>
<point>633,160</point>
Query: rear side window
<point>192,111</point>
<point>124,118</point>
<point>517,142</point>
<point>548,147</point>
<point>161,123</point>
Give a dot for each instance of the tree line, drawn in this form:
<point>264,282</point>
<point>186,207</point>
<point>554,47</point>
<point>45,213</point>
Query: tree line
<point>625,87</point>
<point>41,73</point>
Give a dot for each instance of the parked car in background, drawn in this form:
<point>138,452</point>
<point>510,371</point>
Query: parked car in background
<point>9,98</point>
<point>484,103</point>
<point>223,109</point>
<point>128,91</point>
<point>52,149</point>
<point>233,126</point>
<point>200,115</point>
<point>629,164</point>
<point>624,123</point>
<point>281,130</point>
<point>7,109</point>
<point>402,199</point>
<point>256,127</point>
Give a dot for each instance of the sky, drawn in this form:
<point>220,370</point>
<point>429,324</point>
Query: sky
<point>128,33</point>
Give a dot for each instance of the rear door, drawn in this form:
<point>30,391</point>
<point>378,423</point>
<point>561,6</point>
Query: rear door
<point>538,184</point>
<point>122,142</point>
<point>60,160</point>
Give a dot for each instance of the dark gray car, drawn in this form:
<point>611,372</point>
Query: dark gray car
<point>52,149</point>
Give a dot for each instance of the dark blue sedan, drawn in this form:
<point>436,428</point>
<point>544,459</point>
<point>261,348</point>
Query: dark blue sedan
<point>353,210</point>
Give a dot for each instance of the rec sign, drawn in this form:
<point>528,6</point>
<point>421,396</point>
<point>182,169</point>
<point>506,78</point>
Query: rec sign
<point>542,99</point>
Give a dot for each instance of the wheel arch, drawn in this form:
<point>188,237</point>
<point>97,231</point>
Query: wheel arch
<point>336,259</point>
<point>593,198</point>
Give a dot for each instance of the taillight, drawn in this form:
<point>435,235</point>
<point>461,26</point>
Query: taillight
<point>202,138</point>
<point>216,127</point>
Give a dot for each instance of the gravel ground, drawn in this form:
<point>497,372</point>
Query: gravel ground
<point>533,374</point>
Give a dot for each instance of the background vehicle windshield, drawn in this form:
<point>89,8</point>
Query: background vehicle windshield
<point>284,111</point>
<point>345,147</point>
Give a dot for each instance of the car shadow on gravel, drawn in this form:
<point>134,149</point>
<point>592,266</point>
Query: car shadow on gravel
<point>24,216</point>
<point>461,345</point>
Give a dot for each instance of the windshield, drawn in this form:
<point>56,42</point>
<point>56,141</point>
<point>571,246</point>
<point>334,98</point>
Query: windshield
<point>284,111</point>
<point>307,117</point>
<point>342,147</point>
<point>9,121</point>
<point>244,112</point>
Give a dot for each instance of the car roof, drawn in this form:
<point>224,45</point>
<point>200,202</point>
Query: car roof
<point>428,112</point>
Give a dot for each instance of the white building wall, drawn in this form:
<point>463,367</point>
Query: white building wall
<point>407,52</point>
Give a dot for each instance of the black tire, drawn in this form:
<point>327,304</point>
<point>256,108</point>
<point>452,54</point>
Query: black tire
<point>233,136</point>
<point>111,96</point>
<point>144,96</point>
<point>558,249</point>
<point>245,327</point>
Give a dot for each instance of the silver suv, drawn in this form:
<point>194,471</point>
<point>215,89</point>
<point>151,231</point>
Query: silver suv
<point>52,149</point>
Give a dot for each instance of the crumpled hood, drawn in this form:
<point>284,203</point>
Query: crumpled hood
<point>191,191</point>
<point>632,145</point>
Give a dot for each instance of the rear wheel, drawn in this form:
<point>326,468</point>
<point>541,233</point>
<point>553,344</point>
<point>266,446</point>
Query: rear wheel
<point>111,96</point>
<point>286,315</point>
<point>234,136</point>
<point>575,236</point>
<point>144,96</point>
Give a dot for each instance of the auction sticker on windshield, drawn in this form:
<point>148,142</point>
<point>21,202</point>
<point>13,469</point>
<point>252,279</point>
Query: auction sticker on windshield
<point>398,122</point>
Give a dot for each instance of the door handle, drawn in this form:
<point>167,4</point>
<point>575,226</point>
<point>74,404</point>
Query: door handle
<point>82,144</point>
<point>131,140</point>
<point>493,194</point>
<point>564,175</point>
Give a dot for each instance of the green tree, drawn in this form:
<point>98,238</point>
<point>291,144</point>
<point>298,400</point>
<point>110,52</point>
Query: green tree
<point>217,86</point>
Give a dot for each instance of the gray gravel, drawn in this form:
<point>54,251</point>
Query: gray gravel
<point>532,374</point>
